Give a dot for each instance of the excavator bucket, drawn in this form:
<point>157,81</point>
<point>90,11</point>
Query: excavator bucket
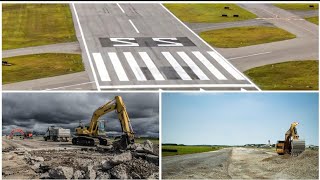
<point>297,147</point>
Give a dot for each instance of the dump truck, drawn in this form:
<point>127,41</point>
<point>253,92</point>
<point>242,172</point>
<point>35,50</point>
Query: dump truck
<point>292,144</point>
<point>57,134</point>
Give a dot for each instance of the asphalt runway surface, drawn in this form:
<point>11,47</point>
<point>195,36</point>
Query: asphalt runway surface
<point>143,46</point>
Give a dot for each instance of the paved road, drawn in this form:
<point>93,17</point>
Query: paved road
<point>304,47</point>
<point>199,27</point>
<point>75,81</point>
<point>142,46</point>
<point>305,14</point>
<point>209,165</point>
<point>72,48</point>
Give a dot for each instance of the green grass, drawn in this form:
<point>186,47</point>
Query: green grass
<point>297,6</point>
<point>39,66</point>
<point>188,149</point>
<point>244,36</point>
<point>25,25</point>
<point>294,75</point>
<point>141,140</point>
<point>208,13</point>
<point>314,20</point>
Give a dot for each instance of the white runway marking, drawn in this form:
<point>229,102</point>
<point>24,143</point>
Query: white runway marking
<point>226,66</point>
<point>156,86</point>
<point>193,66</point>
<point>210,67</point>
<point>70,86</point>
<point>134,66</point>
<point>239,57</point>
<point>151,66</point>
<point>182,73</point>
<point>102,70</point>
<point>135,28</point>
<point>120,8</point>
<point>118,67</point>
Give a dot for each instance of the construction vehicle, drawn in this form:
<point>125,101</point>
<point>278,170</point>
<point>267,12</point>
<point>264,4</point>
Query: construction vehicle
<point>292,144</point>
<point>25,135</point>
<point>89,135</point>
<point>57,134</point>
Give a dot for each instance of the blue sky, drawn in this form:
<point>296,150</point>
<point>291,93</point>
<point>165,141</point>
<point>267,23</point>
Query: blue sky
<point>237,118</point>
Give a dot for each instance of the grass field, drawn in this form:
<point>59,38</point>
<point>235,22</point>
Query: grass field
<point>297,6</point>
<point>187,149</point>
<point>39,66</point>
<point>294,75</point>
<point>141,140</point>
<point>314,20</point>
<point>244,36</point>
<point>208,13</point>
<point>25,25</point>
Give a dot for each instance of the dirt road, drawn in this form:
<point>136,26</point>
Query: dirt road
<point>242,163</point>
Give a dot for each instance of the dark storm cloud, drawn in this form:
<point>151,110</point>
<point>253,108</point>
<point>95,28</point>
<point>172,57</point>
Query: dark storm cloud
<point>37,111</point>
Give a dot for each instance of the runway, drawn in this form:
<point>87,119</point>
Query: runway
<point>143,46</point>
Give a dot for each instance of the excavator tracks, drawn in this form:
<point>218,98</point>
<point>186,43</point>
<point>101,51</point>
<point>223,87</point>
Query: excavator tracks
<point>83,141</point>
<point>297,147</point>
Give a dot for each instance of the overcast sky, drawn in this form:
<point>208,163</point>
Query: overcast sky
<point>238,118</point>
<point>37,111</point>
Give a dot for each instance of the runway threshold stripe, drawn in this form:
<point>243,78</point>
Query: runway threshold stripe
<point>193,66</point>
<point>226,66</point>
<point>210,67</point>
<point>151,66</point>
<point>182,73</point>
<point>101,67</point>
<point>134,66</point>
<point>118,67</point>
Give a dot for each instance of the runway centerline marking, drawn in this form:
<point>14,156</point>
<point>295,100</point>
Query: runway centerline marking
<point>209,66</point>
<point>151,66</point>
<point>118,67</point>
<point>134,66</point>
<point>193,66</point>
<point>86,48</point>
<point>135,28</point>
<point>182,73</point>
<point>226,66</point>
<point>239,57</point>
<point>120,8</point>
<point>102,70</point>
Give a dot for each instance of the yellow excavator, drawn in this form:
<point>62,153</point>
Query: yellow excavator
<point>292,144</point>
<point>89,135</point>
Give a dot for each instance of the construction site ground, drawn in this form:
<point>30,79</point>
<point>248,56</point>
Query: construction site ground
<point>241,163</point>
<point>36,158</point>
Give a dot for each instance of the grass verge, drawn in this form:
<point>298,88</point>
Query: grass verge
<point>314,20</point>
<point>244,36</point>
<point>297,6</point>
<point>182,149</point>
<point>208,13</point>
<point>293,75</point>
<point>37,66</point>
<point>25,25</point>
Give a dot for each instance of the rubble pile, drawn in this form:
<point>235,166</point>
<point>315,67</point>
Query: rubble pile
<point>139,161</point>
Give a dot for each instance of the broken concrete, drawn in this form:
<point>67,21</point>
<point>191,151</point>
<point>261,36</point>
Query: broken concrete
<point>79,174</point>
<point>61,172</point>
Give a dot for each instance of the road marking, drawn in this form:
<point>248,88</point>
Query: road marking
<point>196,35</point>
<point>239,57</point>
<point>118,67</point>
<point>86,48</point>
<point>135,28</point>
<point>226,66</point>
<point>102,70</point>
<point>193,66</point>
<point>242,89</point>
<point>210,67</point>
<point>182,73</point>
<point>134,66</point>
<point>70,86</point>
<point>158,86</point>
<point>120,8</point>
<point>151,66</point>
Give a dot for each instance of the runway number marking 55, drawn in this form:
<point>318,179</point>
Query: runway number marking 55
<point>146,42</point>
